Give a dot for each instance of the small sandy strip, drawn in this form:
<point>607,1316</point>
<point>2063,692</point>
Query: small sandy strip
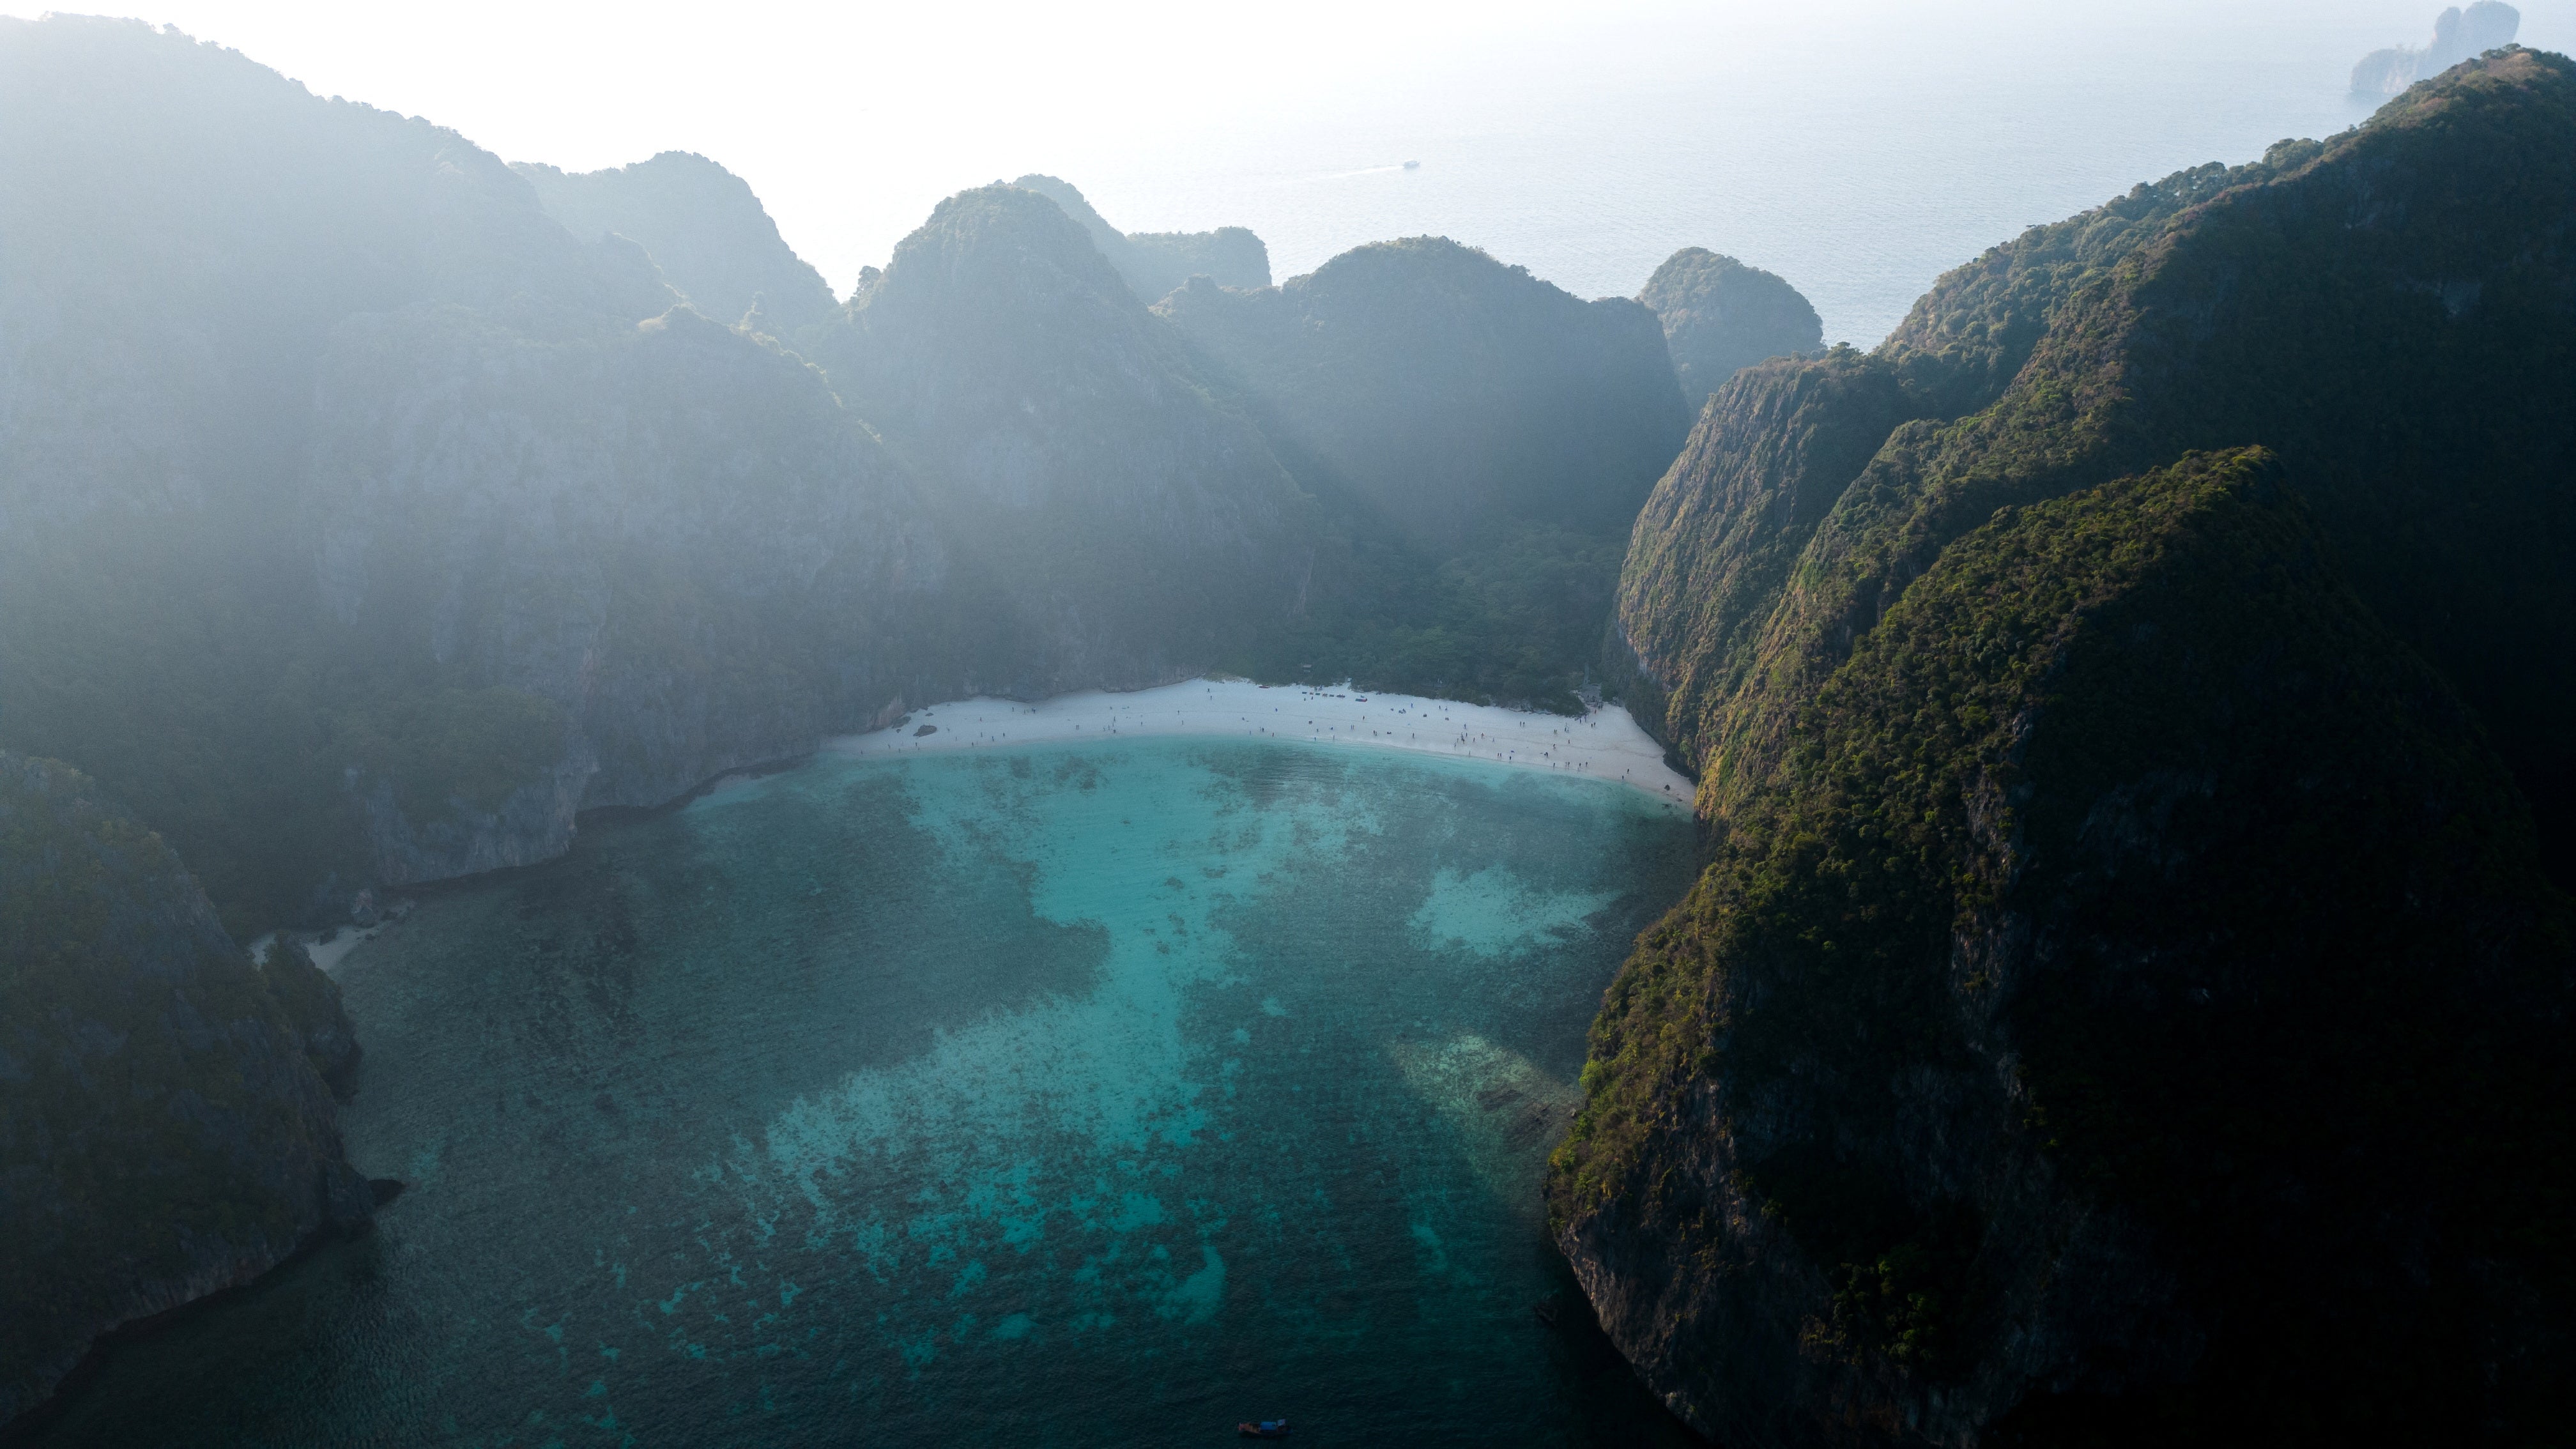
<point>1603,745</point>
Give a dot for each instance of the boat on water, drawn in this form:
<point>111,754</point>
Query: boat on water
<point>1412,165</point>
<point>1266,1429</point>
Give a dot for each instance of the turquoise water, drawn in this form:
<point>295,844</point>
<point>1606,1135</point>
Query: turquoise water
<point>1080,1096</point>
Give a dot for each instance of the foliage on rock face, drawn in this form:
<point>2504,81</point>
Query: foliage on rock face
<point>1514,621</point>
<point>1713,549</point>
<point>2110,888</point>
<point>1721,316</point>
<point>165,1127</point>
<point>2131,856</point>
<point>1447,391</point>
<point>2390,311</point>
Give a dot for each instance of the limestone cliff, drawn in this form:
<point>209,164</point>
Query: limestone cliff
<point>2457,35</point>
<point>1721,316</point>
<point>1154,262</point>
<point>166,1129</point>
<point>1125,525</point>
<point>1449,392</point>
<point>671,534</point>
<point>2122,1005</point>
<point>2092,1023</point>
<point>361,524</point>
<point>702,227</point>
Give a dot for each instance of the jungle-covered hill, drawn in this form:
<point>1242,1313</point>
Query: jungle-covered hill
<point>2127,1000</point>
<point>167,1127</point>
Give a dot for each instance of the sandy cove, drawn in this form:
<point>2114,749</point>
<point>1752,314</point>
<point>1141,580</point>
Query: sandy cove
<point>1603,745</point>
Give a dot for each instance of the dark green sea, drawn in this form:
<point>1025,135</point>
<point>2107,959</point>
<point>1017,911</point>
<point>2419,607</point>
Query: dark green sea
<point>1080,1096</point>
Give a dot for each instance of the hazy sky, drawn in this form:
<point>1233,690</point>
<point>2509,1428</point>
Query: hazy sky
<point>1589,139</point>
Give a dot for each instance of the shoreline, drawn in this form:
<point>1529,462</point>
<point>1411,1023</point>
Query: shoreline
<point>1605,744</point>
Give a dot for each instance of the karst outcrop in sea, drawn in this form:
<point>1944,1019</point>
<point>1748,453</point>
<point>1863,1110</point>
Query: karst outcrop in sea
<point>167,1128</point>
<point>2129,990</point>
<point>2457,35</point>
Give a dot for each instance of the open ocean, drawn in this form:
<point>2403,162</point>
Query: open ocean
<point>1859,161</point>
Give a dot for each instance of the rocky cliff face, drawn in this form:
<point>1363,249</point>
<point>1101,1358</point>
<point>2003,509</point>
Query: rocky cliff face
<point>2029,1059</point>
<point>166,1129</point>
<point>189,233</point>
<point>2457,35</point>
<point>1155,262</point>
<point>1125,525</point>
<point>702,227</point>
<point>1721,316</point>
<point>361,524</point>
<point>2024,1047</point>
<point>1447,391</point>
<point>2383,280</point>
<point>672,534</point>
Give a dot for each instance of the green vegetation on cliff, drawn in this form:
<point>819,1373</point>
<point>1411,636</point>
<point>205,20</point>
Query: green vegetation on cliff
<point>1721,316</point>
<point>2127,987</point>
<point>165,1125</point>
<point>2078,900</point>
<point>2389,312</point>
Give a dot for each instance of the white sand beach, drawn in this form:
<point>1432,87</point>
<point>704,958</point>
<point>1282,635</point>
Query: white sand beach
<point>1603,745</point>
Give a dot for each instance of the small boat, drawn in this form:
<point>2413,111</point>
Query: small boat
<point>1266,1429</point>
<point>1412,165</point>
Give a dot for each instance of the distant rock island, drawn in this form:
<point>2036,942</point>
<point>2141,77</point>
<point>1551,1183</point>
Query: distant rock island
<point>1721,316</point>
<point>2457,35</point>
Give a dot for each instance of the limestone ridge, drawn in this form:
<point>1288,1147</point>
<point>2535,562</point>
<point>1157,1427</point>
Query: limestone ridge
<point>669,540</point>
<point>2103,827</point>
<point>1153,263</point>
<point>2457,35</point>
<point>189,234</point>
<point>2124,336</point>
<point>2110,1015</point>
<point>360,524</point>
<point>1721,316</point>
<point>1129,524</point>
<point>1448,391</point>
<point>166,1126</point>
<point>701,224</point>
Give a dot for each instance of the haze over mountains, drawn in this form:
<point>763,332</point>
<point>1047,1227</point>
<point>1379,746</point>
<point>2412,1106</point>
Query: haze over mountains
<point>2129,983</point>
